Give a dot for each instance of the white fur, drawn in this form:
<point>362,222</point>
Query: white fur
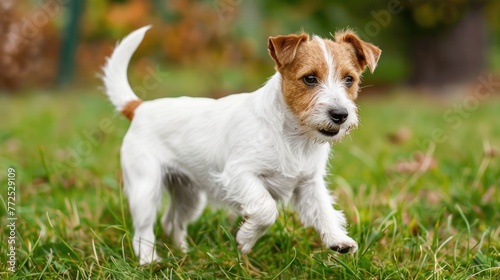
<point>246,150</point>
<point>115,70</point>
<point>332,94</point>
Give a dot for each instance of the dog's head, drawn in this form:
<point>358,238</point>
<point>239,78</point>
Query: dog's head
<point>321,78</point>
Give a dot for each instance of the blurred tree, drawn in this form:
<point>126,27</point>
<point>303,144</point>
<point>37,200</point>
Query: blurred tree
<point>427,42</point>
<point>69,42</point>
<point>28,45</point>
<point>441,42</point>
<point>448,40</point>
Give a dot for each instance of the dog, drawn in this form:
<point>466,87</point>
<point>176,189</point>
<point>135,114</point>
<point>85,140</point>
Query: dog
<point>249,150</point>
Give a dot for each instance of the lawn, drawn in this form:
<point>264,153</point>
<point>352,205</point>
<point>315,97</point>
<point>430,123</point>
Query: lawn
<point>419,185</point>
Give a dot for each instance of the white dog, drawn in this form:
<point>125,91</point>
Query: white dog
<point>247,150</point>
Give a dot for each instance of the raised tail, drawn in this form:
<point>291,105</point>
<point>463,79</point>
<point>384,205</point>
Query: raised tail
<point>115,74</point>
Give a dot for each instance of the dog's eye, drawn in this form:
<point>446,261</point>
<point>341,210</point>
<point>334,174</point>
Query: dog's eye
<point>348,80</point>
<point>310,80</point>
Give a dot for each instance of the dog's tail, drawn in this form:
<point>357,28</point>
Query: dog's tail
<point>115,74</point>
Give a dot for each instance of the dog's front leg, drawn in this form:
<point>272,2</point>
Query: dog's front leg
<point>313,203</point>
<point>258,208</point>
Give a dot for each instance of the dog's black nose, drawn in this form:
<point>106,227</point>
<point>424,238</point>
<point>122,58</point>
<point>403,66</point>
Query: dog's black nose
<point>338,115</point>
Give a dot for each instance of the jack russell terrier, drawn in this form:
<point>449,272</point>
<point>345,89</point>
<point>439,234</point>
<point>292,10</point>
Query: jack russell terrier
<point>247,150</point>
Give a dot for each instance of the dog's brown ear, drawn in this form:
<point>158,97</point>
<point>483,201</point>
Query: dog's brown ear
<point>283,48</point>
<point>366,53</point>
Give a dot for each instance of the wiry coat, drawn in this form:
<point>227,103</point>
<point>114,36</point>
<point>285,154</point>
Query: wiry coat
<point>246,150</point>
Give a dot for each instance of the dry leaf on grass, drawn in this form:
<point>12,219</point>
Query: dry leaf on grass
<point>491,152</point>
<point>400,136</point>
<point>431,196</point>
<point>488,196</point>
<point>420,163</point>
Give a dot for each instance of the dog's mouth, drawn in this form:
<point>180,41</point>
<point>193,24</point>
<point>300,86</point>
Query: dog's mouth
<point>329,132</point>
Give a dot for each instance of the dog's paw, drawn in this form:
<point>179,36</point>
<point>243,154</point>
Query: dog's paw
<point>245,242</point>
<point>345,245</point>
<point>146,259</point>
<point>184,247</point>
<point>245,248</point>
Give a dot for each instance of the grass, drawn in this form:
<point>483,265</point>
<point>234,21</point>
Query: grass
<point>442,223</point>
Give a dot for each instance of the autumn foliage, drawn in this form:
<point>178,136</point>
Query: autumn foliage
<point>185,32</point>
<point>29,46</point>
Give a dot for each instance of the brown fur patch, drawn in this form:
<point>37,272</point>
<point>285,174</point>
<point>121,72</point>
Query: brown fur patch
<point>366,53</point>
<point>283,48</point>
<point>129,109</point>
<point>309,60</point>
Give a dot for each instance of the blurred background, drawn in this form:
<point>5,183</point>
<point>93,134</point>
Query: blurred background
<point>423,167</point>
<point>216,47</point>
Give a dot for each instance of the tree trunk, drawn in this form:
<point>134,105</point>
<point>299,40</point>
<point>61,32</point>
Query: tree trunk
<point>452,56</point>
<point>70,42</point>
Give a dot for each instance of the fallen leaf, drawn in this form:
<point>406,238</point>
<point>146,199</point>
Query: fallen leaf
<point>491,152</point>
<point>420,163</point>
<point>488,195</point>
<point>431,196</point>
<point>400,136</point>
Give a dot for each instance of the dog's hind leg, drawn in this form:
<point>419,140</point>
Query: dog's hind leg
<point>186,204</point>
<point>142,182</point>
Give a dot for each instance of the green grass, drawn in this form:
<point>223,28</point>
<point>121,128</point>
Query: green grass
<point>73,221</point>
